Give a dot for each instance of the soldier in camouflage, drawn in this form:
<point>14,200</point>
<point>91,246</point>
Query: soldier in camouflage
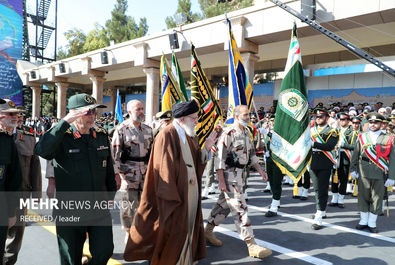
<point>235,150</point>
<point>131,145</point>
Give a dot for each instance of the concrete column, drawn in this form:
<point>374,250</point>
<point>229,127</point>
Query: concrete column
<point>61,107</point>
<point>97,90</point>
<point>36,104</point>
<point>249,60</point>
<point>152,93</point>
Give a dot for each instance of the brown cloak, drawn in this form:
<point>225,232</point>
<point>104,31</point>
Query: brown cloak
<point>161,222</point>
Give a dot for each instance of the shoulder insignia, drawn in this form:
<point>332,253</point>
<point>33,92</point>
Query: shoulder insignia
<point>100,130</point>
<point>5,132</point>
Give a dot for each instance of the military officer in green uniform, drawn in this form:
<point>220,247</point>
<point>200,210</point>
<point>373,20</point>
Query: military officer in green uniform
<point>31,183</point>
<point>164,118</point>
<point>10,172</point>
<point>324,140</point>
<point>346,146</point>
<point>371,163</point>
<point>82,163</point>
<point>274,174</point>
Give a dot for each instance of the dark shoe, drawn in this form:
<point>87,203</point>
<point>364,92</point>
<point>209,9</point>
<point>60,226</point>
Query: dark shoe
<point>296,197</point>
<point>204,198</point>
<point>381,214</point>
<point>266,190</point>
<point>270,214</point>
<point>361,227</point>
<point>340,205</point>
<point>373,229</point>
<point>211,193</point>
<point>333,204</point>
<point>303,198</point>
<point>316,227</point>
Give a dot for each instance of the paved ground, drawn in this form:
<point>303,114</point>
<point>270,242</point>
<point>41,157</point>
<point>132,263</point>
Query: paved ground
<point>289,235</point>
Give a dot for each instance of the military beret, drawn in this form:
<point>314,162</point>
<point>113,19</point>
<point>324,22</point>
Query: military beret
<point>9,106</point>
<point>321,112</point>
<point>164,115</point>
<point>183,109</point>
<point>83,100</point>
<point>374,116</point>
<point>344,116</point>
<point>356,120</point>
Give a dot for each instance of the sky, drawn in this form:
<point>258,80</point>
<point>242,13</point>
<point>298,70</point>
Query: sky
<point>83,14</point>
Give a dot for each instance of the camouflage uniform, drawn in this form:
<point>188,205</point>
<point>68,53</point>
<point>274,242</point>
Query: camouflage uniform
<point>239,141</point>
<point>137,142</point>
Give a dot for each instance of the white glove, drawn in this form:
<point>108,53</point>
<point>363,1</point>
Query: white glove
<point>267,154</point>
<point>354,175</point>
<point>389,183</point>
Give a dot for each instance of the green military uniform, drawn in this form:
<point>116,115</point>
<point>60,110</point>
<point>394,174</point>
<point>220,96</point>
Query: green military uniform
<point>372,175</point>
<point>10,181</point>
<point>275,177</point>
<point>31,186</point>
<point>82,163</point>
<point>339,186</point>
<point>325,139</point>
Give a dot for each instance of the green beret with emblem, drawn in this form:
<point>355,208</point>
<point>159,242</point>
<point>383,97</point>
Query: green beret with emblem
<point>83,100</point>
<point>9,106</point>
<point>164,115</point>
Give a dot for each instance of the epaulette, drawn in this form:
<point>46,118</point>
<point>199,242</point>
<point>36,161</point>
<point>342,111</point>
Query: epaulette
<point>100,130</point>
<point>5,132</point>
<point>145,126</point>
<point>335,131</point>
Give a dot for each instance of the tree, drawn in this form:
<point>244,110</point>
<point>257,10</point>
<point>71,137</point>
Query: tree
<point>76,40</point>
<point>122,27</point>
<point>119,28</point>
<point>96,39</point>
<point>184,7</point>
<point>212,8</point>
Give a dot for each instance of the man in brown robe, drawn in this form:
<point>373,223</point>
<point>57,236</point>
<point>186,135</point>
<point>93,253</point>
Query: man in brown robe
<point>168,227</point>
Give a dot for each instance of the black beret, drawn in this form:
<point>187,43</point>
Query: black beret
<point>183,109</point>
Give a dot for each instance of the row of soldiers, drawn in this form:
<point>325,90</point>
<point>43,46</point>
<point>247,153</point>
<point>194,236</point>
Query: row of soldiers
<point>123,163</point>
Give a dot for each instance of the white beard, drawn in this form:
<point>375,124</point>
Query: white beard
<point>243,122</point>
<point>135,118</point>
<point>189,128</point>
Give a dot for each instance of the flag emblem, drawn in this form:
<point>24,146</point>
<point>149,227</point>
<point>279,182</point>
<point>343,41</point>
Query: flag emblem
<point>293,103</point>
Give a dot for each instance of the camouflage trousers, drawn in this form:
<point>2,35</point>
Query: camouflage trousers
<point>233,202</point>
<point>130,202</point>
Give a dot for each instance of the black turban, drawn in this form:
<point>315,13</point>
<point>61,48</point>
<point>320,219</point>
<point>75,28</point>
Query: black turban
<point>183,109</point>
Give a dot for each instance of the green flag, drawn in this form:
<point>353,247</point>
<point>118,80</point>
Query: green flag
<point>291,141</point>
<point>175,68</point>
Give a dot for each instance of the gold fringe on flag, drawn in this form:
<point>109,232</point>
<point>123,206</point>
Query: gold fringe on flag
<point>295,190</point>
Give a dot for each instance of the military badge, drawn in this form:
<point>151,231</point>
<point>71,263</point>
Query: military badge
<point>293,103</point>
<point>11,104</point>
<point>77,135</point>
<point>89,99</point>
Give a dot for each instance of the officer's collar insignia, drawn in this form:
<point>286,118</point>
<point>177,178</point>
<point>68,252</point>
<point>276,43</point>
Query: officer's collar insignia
<point>94,134</point>
<point>77,135</point>
<point>11,104</point>
<point>89,99</point>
